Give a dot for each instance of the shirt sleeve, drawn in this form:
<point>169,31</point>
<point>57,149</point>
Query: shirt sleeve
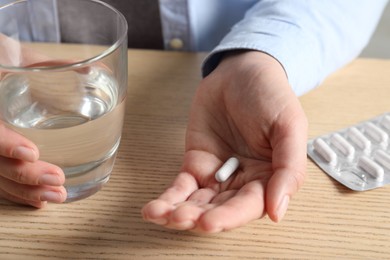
<point>40,25</point>
<point>310,38</point>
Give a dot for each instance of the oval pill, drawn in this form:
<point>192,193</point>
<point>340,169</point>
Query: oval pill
<point>359,139</point>
<point>325,151</point>
<point>383,158</point>
<point>342,145</point>
<point>376,133</point>
<point>386,122</point>
<point>371,167</point>
<point>227,169</point>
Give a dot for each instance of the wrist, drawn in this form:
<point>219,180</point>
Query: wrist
<point>248,59</point>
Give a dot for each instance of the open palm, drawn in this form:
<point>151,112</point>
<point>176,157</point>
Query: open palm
<point>246,109</point>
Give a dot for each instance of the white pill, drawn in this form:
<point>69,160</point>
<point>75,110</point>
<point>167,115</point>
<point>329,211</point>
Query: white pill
<point>376,133</point>
<point>342,145</point>
<point>359,139</point>
<point>325,151</point>
<point>386,122</point>
<point>227,169</point>
<point>383,158</point>
<point>371,167</point>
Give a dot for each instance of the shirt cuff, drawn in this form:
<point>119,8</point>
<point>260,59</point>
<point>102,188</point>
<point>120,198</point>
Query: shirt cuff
<point>285,50</point>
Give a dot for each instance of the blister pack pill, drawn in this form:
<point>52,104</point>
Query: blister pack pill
<point>357,156</point>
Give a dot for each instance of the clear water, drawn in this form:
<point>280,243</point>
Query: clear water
<point>74,118</point>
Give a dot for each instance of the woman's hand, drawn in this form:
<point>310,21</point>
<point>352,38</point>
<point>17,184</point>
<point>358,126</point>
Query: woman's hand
<point>23,178</point>
<point>244,108</point>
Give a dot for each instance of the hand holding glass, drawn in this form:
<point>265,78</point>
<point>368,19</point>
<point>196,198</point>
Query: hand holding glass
<point>68,95</point>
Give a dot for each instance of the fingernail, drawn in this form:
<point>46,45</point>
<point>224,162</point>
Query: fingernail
<point>50,179</point>
<point>52,196</point>
<point>282,208</point>
<point>24,153</point>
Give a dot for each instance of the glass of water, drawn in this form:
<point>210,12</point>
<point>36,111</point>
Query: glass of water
<point>63,83</point>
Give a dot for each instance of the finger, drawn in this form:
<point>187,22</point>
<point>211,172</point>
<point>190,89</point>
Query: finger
<point>14,145</point>
<point>185,214</point>
<point>289,164</point>
<point>38,173</point>
<point>182,187</point>
<point>9,197</point>
<point>201,165</point>
<point>158,211</point>
<point>198,171</point>
<point>56,194</point>
<point>245,206</point>
<point>181,215</point>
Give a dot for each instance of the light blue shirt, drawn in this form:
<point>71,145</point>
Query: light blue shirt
<point>49,27</point>
<point>310,38</point>
<point>199,25</point>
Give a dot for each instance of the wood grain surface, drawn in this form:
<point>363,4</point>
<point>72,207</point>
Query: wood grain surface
<point>325,220</point>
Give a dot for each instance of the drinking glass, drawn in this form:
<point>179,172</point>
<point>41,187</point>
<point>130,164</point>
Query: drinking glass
<point>63,84</point>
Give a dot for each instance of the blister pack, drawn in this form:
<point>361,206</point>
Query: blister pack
<point>357,156</point>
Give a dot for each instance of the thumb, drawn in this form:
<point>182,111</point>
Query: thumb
<point>289,165</point>
<point>14,145</point>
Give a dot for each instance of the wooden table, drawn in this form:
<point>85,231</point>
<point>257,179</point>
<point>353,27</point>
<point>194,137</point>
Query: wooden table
<point>325,220</point>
